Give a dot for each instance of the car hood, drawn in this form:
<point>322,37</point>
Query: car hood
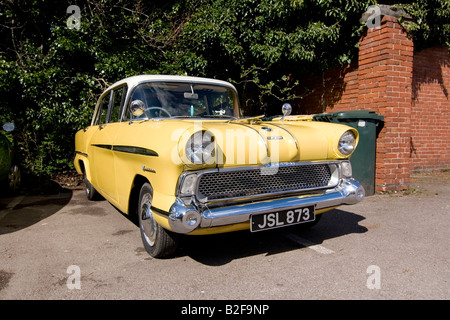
<point>255,142</point>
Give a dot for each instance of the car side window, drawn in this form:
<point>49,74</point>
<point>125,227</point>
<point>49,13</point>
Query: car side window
<point>103,112</point>
<point>118,100</point>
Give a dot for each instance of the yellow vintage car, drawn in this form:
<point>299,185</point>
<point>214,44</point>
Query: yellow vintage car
<point>177,152</point>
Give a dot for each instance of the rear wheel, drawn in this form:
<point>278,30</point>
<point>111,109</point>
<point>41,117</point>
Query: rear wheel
<point>157,241</point>
<point>90,191</point>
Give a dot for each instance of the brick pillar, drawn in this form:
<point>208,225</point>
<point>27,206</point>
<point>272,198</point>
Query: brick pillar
<point>385,70</point>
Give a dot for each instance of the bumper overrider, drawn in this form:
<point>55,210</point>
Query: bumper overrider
<point>186,216</point>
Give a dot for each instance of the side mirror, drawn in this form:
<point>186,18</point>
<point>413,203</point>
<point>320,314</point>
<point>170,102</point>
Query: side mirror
<point>9,126</point>
<point>137,108</point>
<point>286,109</point>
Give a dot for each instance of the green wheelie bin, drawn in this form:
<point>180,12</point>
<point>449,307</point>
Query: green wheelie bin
<point>363,160</point>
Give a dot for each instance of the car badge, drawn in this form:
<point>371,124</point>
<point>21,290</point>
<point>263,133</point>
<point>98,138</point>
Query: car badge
<point>144,168</point>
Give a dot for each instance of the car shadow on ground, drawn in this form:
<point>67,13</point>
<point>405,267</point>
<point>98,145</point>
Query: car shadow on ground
<point>216,250</point>
<point>28,208</point>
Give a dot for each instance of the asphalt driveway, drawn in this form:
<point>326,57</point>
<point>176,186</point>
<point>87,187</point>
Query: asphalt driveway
<point>390,246</point>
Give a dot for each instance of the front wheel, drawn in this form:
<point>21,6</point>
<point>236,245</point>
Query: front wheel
<point>157,241</point>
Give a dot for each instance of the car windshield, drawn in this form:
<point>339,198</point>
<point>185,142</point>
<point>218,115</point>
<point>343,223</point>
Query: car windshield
<point>180,100</point>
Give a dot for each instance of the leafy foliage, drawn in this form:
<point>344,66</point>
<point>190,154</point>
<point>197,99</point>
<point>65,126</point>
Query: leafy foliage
<point>51,75</point>
<point>430,24</point>
<point>263,46</point>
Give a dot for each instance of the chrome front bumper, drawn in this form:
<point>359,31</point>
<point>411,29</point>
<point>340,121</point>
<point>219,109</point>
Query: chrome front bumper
<point>185,218</point>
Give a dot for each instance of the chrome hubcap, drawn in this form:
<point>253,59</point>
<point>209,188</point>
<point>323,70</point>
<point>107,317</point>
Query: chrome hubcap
<point>147,222</point>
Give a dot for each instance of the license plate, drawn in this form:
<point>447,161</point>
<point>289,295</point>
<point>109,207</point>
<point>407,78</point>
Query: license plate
<point>282,218</point>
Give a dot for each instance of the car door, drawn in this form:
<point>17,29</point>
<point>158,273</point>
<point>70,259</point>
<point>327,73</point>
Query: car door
<point>106,127</point>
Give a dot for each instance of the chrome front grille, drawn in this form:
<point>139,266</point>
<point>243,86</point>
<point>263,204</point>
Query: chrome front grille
<point>241,183</point>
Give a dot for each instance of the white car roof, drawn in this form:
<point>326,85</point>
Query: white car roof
<point>134,80</point>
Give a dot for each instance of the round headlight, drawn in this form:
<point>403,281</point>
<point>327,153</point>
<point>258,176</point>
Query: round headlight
<point>200,148</point>
<point>347,143</point>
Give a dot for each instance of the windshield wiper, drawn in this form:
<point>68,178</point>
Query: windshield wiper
<point>219,116</point>
<point>206,116</point>
<point>185,117</point>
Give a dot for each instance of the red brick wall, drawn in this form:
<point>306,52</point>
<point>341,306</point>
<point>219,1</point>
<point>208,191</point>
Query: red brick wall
<point>409,89</point>
<point>430,115</point>
<point>385,77</point>
<point>336,87</point>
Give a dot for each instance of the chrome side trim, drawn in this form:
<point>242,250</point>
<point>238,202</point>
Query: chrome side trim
<point>128,149</point>
<point>135,150</point>
<point>103,146</point>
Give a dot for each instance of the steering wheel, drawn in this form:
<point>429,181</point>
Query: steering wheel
<point>158,108</point>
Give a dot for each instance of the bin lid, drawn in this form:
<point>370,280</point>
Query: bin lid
<point>351,114</point>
